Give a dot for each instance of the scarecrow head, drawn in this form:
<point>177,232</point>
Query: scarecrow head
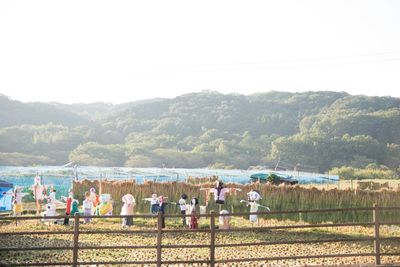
<point>128,199</point>
<point>254,195</point>
<point>194,201</point>
<point>36,180</point>
<point>104,198</point>
<point>161,199</point>
<point>220,184</point>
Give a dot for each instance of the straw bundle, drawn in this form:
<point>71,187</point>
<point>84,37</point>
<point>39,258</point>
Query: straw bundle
<point>281,197</point>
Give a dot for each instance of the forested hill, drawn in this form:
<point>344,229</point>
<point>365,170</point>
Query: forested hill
<point>313,131</point>
<point>18,113</point>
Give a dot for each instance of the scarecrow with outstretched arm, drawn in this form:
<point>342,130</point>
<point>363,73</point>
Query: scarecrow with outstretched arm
<point>253,196</point>
<point>219,193</point>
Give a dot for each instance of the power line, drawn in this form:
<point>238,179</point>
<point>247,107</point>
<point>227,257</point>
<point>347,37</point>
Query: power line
<point>281,67</point>
<point>295,60</point>
<point>299,66</point>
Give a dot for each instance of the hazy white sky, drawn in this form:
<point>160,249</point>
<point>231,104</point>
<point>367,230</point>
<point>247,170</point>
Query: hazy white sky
<point>119,51</point>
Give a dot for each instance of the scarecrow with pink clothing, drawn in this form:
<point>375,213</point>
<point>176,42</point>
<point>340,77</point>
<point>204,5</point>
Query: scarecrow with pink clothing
<point>219,192</point>
<point>38,190</point>
<point>127,209</point>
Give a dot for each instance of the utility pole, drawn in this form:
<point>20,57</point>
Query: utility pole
<point>277,164</point>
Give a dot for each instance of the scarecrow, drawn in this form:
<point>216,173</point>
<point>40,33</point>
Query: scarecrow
<point>105,207</point>
<point>183,207</point>
<point>74,207</point>
<point>193,215</point>
<point>94,198</point>
<point>224,219</point>
<point>154,203</point>
<point>162,205</point>
<point>127,209</point>
<point>87,207</point>
<point>17,203</point>
<point>68,205</point>
<point>253,197</point>
<point>49,212</point>
<point>38,189</point>
<point>219,193</point>
<point>52,195</point>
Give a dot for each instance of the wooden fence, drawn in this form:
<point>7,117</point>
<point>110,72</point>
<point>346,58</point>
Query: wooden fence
<point>211,261</point>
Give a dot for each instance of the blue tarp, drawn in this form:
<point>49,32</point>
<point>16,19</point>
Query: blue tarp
<point>62,177</point>
<point>6,190</point>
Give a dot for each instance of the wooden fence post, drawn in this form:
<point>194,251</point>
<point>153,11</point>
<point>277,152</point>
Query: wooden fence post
<point>76,240</point>
<point>377,244</point>
<point>212,243</point>
<point>159,235</point>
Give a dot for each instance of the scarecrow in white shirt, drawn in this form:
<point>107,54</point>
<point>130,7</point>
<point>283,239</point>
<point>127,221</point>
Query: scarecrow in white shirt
<point>224,219</point>
<point>88,207</point>
<point>127,209</point>
<point>154,203</point>
<point>253,196</point>
<point>51,198</point>
<point>183,207</point>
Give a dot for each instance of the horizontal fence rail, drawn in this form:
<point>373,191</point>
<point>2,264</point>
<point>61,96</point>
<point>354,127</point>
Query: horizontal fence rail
<point>212,230</point>
<point>203,215</point>
<point>298,257</point>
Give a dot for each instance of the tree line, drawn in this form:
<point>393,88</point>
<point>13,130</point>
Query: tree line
<point>311,131</point>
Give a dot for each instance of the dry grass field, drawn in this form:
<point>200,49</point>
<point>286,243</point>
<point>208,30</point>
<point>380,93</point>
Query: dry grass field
<point>393,184</point>
<point>280,197</point>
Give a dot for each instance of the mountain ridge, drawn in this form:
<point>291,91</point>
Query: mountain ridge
<point>208,129</point>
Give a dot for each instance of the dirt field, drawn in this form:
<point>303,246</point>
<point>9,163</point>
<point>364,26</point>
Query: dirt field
<point>199,238</point>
